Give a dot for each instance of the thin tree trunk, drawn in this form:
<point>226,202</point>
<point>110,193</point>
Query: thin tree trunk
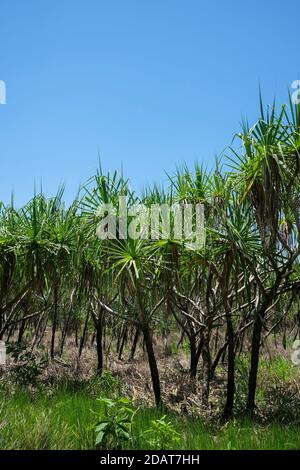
<point>43,331</point>
<point>123,341</point>
<point>195,352</point>
<point>37,330</point>
<point>82,341</point>
<point>134,343</point>
<point>21,331</point>
<point>54,323</point>
<point>255,348</point>
<point>152,365</point>
<point>206,367</point>
<point>64,333</point>
<point>230,369</point>
<point>99,336</point>
<point>228,410</point>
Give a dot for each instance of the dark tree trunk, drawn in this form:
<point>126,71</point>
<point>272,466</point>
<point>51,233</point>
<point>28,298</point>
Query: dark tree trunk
<point>64,333</point>
<point>54,322</point>
<point>217,359</point>
<point>255,347</point>
<point>42,334</point>
<point>37,330</point>
<point>21,331</point>
<point>152,364</point>
<point>206,367</point>
<point>230,370</point>
<point>195,352</point>
<point>119,338</point>
<point>135,342</point>
<point>123,342</point>
<point>193,361</point>
<point>228,410</point>
<point>10,333</point>
<point>99,336</point>
<point>82,341</point>
<point>256,340</point>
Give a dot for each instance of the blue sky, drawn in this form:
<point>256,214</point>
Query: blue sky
<point>146,84</point>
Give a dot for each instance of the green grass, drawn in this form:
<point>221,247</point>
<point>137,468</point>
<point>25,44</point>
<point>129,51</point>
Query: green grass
<point>272,373</point>
<point>278,368</point>
<point>58,422</point>
<point>235,435</point>
<point>62,418</point>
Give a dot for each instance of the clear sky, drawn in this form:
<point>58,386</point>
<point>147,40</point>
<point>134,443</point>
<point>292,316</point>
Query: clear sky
<point>147,84</point>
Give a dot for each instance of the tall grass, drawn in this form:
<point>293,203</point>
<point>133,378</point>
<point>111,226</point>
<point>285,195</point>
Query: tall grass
<point>63,419</point>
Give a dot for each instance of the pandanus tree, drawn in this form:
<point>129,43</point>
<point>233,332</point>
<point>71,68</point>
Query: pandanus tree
<point>133,264</point>
<point>192,188</point>
<point>46,240</point>
<point>234,245</point>
<point>267,175</point>
<point>61,273</point>
<point>9,294</point>
<point>103,254</point>
<point>25,245</point>
<point>76,270</point>
<point>96,284</point>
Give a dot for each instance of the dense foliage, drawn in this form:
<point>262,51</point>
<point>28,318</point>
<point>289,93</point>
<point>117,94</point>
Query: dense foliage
<point>222,298</point>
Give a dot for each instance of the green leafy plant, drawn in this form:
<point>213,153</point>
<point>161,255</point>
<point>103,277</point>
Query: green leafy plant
<point>162,435</point>
<point>283,404</point>
<point>109,383</point>
<point>28,367</point>
<point>114,425</point>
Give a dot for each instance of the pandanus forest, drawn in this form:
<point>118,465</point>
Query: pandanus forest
<point>217,324</point>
